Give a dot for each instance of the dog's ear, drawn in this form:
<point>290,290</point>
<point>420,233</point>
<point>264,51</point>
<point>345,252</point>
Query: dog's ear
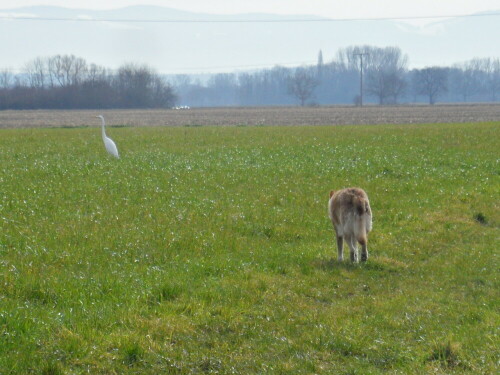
<point>332,192</point>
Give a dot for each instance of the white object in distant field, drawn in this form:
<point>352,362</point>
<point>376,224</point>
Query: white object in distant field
<point>108,142</point>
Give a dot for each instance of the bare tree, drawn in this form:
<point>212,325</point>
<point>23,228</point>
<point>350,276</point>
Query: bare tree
<point>6,78</point>
<point>223,86</point>
<point>96,73</point>
<point>246,88</point>
<point>431,82</point>
<point>132,84</point>
<point>347,59</point>
<point>55,70</point>
<point>36,73</point>
<point>138,86</point>
<point>302,85</point>
<point>491,84</point>
<point>79,70</point>
<point>466,78</point>
<point>386,69</point>
<point>67,70</point>
<point>387,86</point>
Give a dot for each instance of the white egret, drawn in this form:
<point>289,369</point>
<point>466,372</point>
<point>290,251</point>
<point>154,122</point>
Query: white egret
<point>108,142</point>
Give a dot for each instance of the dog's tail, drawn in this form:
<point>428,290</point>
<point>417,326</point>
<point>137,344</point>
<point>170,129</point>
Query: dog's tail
<point>330,205</point>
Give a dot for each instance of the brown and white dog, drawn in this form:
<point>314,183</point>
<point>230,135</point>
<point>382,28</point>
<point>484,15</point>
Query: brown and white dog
<point>351,215</point>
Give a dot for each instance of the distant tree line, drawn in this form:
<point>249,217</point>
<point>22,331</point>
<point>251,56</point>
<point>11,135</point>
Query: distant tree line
<point>69,82</point>
<point>387,80</point>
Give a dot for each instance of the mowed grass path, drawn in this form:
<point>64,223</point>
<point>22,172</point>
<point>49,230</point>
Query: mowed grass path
<point>209,250</point>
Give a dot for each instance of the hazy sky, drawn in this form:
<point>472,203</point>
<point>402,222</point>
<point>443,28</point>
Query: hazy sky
<point>217,47</point>
<point>326,8</point>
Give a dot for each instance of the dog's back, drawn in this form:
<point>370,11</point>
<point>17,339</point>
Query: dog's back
<point>351,215</point>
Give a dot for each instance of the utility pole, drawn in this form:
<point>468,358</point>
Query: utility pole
<point>361,76</point>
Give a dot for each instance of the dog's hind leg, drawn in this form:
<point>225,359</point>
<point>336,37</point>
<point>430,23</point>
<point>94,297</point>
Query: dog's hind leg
<point>353,247</point>
<point>364,250</point>
<point>340,247</point>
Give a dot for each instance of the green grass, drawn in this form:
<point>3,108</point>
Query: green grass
<point>209,250</point>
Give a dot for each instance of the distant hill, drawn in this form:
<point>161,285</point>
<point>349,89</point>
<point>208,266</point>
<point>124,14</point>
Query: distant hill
<point>191,47</point>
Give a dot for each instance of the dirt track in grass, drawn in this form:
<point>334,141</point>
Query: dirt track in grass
<point>331,115</point>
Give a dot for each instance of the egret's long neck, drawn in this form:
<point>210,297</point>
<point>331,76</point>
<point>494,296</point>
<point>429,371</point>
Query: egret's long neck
<point>103,131</point>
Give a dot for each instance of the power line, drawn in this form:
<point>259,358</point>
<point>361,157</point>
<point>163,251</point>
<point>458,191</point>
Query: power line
<point>243,20</point>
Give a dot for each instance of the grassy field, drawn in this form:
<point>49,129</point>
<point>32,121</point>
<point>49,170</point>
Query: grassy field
<point>209,250</point>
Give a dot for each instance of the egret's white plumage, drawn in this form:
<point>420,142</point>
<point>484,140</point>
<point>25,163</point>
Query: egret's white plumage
<point>108,142</point>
